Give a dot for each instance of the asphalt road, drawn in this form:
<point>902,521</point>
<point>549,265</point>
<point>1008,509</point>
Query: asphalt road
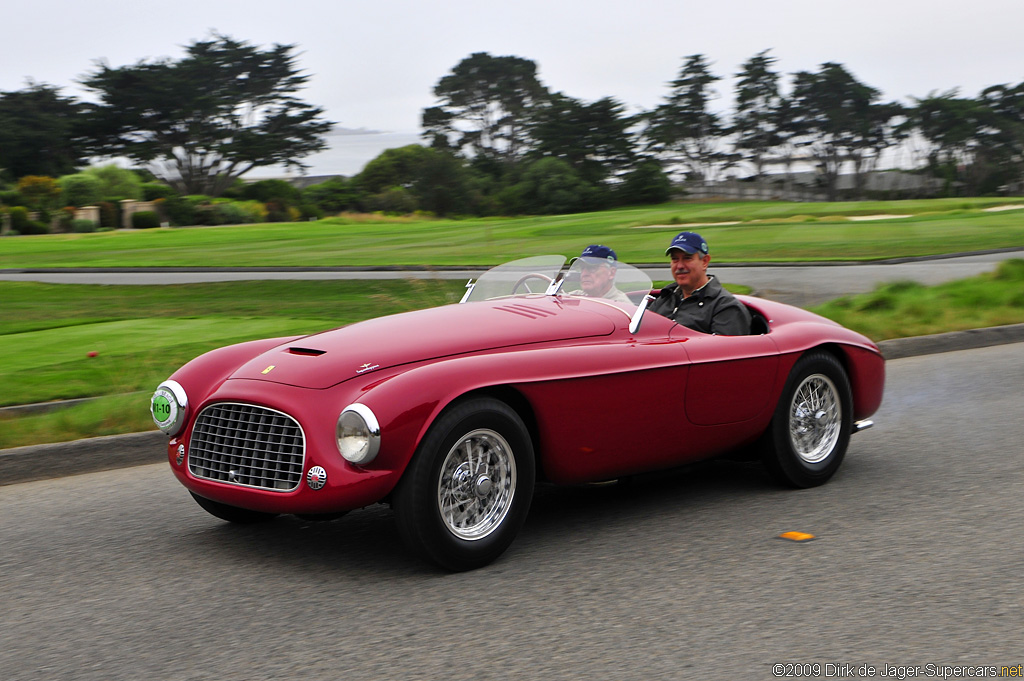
<point>917,561</point>
<point>791,284</point>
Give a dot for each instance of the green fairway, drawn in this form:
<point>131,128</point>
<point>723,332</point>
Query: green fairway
<point>138,335</point>
<point>766,231</point>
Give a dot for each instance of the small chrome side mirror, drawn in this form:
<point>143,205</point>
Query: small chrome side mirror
<point>634,321</point>
<point>470,285</point>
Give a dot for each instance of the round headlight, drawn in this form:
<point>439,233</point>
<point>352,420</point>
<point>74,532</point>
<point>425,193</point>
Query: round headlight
<point>169,407</point>
<point>358,434</point>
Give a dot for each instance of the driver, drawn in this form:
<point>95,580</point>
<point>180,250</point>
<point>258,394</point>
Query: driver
<point>597,274</point>
<point>697,300</point>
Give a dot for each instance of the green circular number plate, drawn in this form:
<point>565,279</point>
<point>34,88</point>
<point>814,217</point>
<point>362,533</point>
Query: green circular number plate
<point>164,407</point>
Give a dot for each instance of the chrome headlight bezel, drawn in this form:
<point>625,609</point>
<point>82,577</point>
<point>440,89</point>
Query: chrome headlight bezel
<point>357,434</point>
<point>169,407</point>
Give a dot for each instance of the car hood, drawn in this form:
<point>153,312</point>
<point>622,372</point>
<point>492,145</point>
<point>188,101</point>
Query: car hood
<point>325,359</point>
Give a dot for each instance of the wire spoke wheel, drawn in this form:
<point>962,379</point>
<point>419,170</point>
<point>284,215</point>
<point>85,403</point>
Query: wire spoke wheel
<point>809,433</point>
<point>815,417</point>
<point>468,488</point>
<point>477,484</point>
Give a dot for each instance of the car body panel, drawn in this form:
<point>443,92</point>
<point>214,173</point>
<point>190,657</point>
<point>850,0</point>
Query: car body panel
<point>324,359</point>
<point>599,400</point>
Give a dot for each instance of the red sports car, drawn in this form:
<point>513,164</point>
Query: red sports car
<point>452,414</point>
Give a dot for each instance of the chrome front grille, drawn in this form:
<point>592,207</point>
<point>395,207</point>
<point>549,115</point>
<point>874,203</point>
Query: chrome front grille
<point>243,444</point>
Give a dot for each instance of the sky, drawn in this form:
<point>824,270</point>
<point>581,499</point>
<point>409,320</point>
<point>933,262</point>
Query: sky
<point>373,64</point>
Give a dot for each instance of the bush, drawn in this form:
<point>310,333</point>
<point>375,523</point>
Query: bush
<point>19,217</point>
<point>271,190</point>
<point>116,183</point>
<point>207,214</point>
<point>180,211</point>
<point>11,197</point>
<point>310,211</point>
<point>552,186</point>
<point>151,191</point>
<point>278,211</point>
<point>81,189</point>
<point>333,196</point>
<point>23,224</point>
<point>397,200</point>
<point>145,219</point>
<point>83,226</point>
<point>233,213</point>
<point>40,192</point>
<point>252,211</point>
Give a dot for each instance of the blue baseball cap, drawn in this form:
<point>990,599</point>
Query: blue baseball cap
<point>689,242</point>
<point>599,251</point>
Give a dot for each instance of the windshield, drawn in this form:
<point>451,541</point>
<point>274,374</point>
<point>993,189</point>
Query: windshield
<point>613,282</point>
<point>529,275</point>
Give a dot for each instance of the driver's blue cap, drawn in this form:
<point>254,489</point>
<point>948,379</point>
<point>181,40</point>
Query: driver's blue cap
<point>599,251</point>
<point>689,242</point>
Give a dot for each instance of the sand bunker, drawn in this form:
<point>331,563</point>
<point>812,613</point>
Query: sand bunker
<point>859,218</point>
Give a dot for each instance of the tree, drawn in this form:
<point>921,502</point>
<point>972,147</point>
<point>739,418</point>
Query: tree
<point>684,130</point>
<point>757,123</point>
<point>645,184</point>
<point>485,103</point>
<point>952,126</point>
<point>550,186</point>
<point>839,120</point>
<point>594,138</point>
<point>225,108</point>
<point>435,178</point>
<point>41,193</point>
<point>1003,136</point>
<point>39,132</point>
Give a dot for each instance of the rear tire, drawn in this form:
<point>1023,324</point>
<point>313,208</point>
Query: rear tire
<point>811,428</point>
<point>232,514</point>
<point>468,488</point>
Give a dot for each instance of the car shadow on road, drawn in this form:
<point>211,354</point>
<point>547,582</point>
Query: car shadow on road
<point>366,543</point>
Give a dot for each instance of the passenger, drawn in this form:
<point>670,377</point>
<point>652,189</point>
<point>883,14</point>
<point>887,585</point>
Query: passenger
<point>597,274</point>
<point>697,300</point>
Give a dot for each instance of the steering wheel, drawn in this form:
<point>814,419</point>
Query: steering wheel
<point>527,277</point>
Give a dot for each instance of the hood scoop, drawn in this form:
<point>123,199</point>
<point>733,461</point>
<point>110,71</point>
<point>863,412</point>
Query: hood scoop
<point>307,352</point>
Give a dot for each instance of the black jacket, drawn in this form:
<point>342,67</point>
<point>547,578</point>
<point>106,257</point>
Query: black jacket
<point>711,309</point>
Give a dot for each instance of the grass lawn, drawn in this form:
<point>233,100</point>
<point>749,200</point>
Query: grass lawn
<point>141,334</point>
<point>766,231</point>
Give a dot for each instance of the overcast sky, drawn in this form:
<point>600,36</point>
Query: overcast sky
<point>373,64</point>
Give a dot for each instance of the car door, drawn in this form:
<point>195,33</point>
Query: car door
<point>731,378</point>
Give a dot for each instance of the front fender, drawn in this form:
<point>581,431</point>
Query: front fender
<point>407,403</point>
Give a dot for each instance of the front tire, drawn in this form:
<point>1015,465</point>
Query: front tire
<point>468,488</point>
<point>232,514</point>
<point>813,420</point>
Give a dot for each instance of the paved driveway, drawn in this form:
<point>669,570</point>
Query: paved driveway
<point>802,285</point>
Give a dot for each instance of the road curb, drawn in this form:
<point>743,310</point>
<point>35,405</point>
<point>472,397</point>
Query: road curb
<point>40,462</point>
<point>969,339</point>
<point>59,459</point>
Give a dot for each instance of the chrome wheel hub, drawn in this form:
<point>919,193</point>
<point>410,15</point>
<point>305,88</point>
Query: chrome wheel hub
<point>815,418</point>
<point>477,484</point>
